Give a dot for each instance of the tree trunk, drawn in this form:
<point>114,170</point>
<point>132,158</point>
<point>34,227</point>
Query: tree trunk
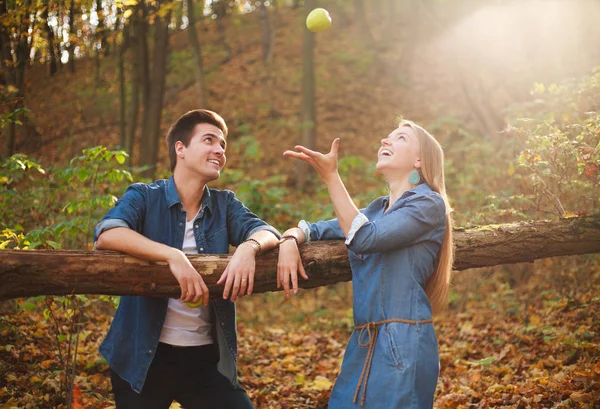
<point>153,108</point>
<point>308,116</point>
<point>220,9</point>
<point>99,38</point>
<point>122,88</point>
<point>197,51</point>
<point>71,48</point>
<point>7,64</point>
<point>267,38</point>
<point>22,51</point>
<point>50,39</point>
<point>138,54</point>
<point>51,272</point>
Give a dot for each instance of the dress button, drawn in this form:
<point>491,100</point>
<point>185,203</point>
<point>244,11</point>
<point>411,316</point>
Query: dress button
<point>222,324</point>
<point>201,248</point>
<point>180,224</point>
<point>149,352</point>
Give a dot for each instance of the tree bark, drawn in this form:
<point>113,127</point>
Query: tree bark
<point>308,115</point>
<point>197,50</point>
<point>52,272</point>
<point>71,47</point>
<point>153,106</point>
<point>122,87</point>
<point>267,38</point>
<point>15,56</point>
<point>220,10</point>
<point>100,43</point>
<point>50,39</point>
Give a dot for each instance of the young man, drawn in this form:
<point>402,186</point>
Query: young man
<point>160,350</point>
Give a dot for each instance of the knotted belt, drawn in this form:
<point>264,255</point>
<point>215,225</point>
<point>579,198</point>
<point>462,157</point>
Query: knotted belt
<point>373,331</point>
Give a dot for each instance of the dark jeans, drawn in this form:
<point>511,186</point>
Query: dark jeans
<point>187,375</point>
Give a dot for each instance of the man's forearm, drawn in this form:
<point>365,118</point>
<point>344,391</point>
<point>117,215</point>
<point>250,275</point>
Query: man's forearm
<point>266,238</point>
<point>131,242</point>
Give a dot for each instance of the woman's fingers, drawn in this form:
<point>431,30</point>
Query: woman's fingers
<point>297,155</point>
<point>335,145</point>
<point>302,272</point>
<point>306,151</point>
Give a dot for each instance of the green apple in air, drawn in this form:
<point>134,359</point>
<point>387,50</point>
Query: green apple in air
<point>318,20</point>
<point>192,304</point>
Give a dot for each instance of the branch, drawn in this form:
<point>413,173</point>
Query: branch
<point>52,272</point>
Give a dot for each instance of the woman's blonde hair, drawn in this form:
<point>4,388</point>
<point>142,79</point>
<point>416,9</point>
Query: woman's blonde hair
<point>432,171</point>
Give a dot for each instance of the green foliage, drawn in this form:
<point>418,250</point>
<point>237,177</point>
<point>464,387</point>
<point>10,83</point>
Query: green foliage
<point>12,117</point>
<point>546,164</point>
<point>560,158</point>
<point>58,207</point>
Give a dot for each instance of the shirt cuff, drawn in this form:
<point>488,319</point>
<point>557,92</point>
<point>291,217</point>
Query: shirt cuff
<point>107,225</point>
<point>265,227</point>
<point>357,223</point>
<point>303,225</point>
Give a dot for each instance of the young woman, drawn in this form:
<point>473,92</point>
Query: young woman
<point>400,250</point>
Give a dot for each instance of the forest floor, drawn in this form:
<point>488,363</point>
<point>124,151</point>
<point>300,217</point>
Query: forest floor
<point>518,338</point>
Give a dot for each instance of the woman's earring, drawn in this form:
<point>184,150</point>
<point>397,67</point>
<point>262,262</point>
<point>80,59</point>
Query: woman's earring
<point>414,177</point>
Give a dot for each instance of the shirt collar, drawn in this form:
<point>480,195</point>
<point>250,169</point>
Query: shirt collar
<point>419,189</point>
<point>173,196</point>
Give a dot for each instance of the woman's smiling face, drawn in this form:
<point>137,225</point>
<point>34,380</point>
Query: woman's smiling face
<point>399,152</point>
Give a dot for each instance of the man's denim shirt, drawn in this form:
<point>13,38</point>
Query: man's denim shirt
<point>155,211</point>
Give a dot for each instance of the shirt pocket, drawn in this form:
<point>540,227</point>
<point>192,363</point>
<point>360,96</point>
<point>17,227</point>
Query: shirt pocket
<point>395,350</point>
<point>217,240</point>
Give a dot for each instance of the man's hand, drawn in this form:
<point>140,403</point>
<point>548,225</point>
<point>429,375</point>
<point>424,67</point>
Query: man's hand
<point>192,284</point>
<point>239,273</point>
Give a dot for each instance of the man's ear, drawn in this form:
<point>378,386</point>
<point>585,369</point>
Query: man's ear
<point>179,146</point>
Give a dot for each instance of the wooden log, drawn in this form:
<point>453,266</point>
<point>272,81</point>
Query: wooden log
<point>56,272</point>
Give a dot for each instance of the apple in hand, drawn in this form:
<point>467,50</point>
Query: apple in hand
<point>318,20</point>
<point>192,304</point>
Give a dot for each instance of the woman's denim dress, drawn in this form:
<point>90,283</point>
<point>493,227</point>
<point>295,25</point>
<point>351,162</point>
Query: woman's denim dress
<point>392,255</point>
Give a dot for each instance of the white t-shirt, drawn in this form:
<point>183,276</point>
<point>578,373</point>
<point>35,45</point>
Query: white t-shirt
<point>186,326</point>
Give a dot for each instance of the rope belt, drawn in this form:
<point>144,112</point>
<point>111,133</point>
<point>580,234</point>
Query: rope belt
<point>372,331</point>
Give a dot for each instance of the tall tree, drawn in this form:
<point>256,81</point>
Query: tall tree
<point>151,131</point>
<point>139,73</point>
<point>72,36</point>
<point>15,45</point>
<point>220,9</point>
<point>308,117</point>
<point>50,39</point>
<point>122,86</point>
<point>267,33</point>
<point>197,51</point>
<point>100,39</point>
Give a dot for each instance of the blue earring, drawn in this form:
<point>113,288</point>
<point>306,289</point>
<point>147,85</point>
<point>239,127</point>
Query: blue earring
<point>414,177</point>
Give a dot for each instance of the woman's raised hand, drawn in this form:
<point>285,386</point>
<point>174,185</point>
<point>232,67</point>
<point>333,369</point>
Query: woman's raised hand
<point>325,165</point>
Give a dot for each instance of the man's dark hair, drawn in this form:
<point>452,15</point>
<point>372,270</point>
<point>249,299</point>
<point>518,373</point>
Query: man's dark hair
<point>182,129</point>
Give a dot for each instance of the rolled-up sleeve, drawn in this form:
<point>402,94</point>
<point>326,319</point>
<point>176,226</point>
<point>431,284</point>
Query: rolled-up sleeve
<point>128,212</point>
<point>323,230</point>
<point>357,223</point>
<point>400,227</point>
<point>242,223</point>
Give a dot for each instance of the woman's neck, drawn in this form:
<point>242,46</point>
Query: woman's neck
<point>397,189</point>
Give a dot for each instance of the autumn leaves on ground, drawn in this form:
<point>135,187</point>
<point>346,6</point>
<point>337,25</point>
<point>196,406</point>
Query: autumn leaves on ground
<point>515,336</point>
<point>526,344</point>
